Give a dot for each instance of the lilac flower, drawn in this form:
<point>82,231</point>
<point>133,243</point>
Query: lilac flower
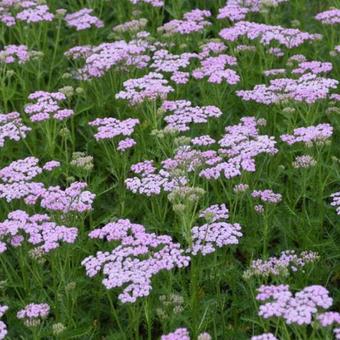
<point>3,327</point>
<point>109,128</point>
<point>216,70</point>
<point>33,313</point>
<point>180,78</point>
<point>336,201</point>
<point>83,19</point>
<point>15,54</point>
<point>126,144</point>
<point>314,67</point>
<point>267,196</point>
<point>216,233</point>
<point>288,37</point>
<point>33,12</point>
<point>17,184</point>
<point>193,21</point>
<point>329,318</point>
<point>304,161</point>
<point>150,87</point>
<point>37,229</point>
<point>178,334</point>
<point>21,170</point>
<point>132,264</point>
<point>330,17</point>
<point>51,165</point>
<point>239,147</point>
<point>298,309</point>
<point>264,336</point>
<point>204,140</point>
<point>184,114</point>
<point>100,59</point>
<point>308,135</point>
<point>12,127</point>
<point>164,61</point>
<point>215,213</point>
<point>236,10</point>
<point>240,144</point>
<point>73,199</point>
<point>47,106</point>
<point>308,88</point>
<point>275,266</point>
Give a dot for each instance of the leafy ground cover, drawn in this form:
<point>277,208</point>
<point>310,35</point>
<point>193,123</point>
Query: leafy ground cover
<point>169,169</point>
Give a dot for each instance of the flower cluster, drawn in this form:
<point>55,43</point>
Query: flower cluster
<point>240,145</point>
<point>12,127</point>
<point>27,11</point>
<point>33,314</point>
<point>193,21</point>
<point>18,183</point>
<point>309,135</point>
<point>147,88</point>
<point>216,69</point>
<point>309,88</point>
<point>38,229</point>
<point>330,17</point>
<point>178,334</point>
<point>267,196</point>
<point>164,61</point>
<point>83,19</point>
<point>236,10</point>
<point>184,114</point>
<point>282,265</point>
<point>109,128</point>
<point>314,67</point>
<point>3,327</point>
<point>294,309</point>
<point>73,199</point>
<point>217,233</point>
<point>47,106</point>
<point>135,261</point>
<point>100,59</point>
<point>336,201</point>
<point>33,12</point>
<point>289,37</point>
<point>15,54</point>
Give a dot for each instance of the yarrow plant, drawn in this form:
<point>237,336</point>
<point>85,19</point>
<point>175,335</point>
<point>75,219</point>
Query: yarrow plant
<point>46,106</point>
<point>3,327</point>
<point>33,314</point>
<point>38,229</point>
<point>330,17</point>
<point>148,88</point>
<point>217,233</point>
<point>12,128</point>
<point>158,162</point>
<point>15,54</point>
<point>83,19</point>
<point>135,261</point>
